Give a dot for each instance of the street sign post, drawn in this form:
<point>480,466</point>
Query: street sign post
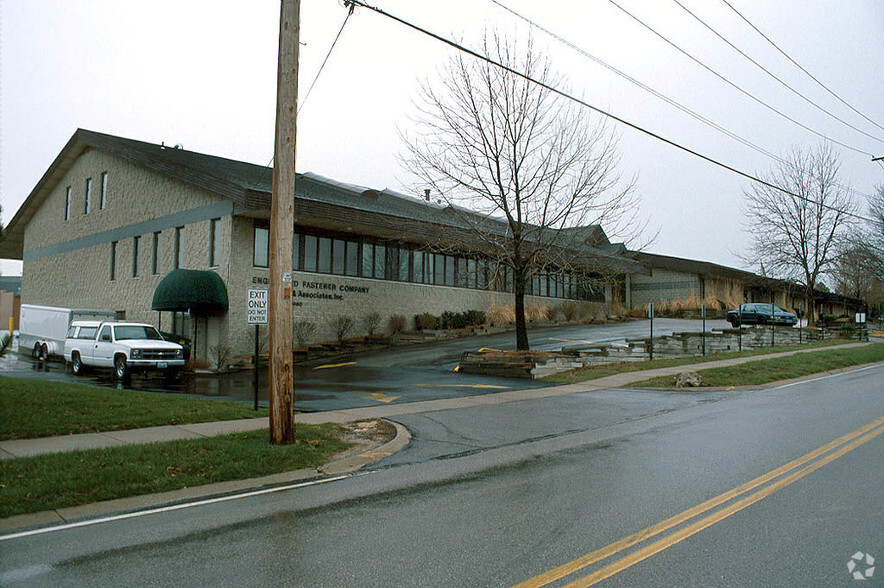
<point>256,314</point>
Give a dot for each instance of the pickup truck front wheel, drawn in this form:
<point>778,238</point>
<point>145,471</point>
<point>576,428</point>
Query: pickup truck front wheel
<point>121,368</point>
<point>76,364</point>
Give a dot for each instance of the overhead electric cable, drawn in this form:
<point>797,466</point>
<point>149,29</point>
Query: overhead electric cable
<point>798,65</point>
<point>324,61</point>
<point>733,85</point>
<point>640,84</point>
<point>585,104</point>
<point>654,92</point>
<point>771,74</point>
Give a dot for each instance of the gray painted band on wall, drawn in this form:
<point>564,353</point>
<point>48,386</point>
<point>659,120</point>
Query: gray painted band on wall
<point>187,217</point>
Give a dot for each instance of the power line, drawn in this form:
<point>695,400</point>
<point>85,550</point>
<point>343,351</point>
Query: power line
<point>585,104</point>
<point>732,84</point>
<point>771,74</point>
<point>327,55</point>
<point>640,84</point>
<point>656,93</point>
<point>798,65</point>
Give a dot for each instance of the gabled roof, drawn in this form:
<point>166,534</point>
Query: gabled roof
<point>249,186</point>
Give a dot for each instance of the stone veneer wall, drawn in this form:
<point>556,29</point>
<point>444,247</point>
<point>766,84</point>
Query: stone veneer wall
<point>67,263</point>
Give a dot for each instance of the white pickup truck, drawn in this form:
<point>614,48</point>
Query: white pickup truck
<point>125,347</point>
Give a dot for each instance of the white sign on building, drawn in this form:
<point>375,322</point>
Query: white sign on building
<point>257,306</point>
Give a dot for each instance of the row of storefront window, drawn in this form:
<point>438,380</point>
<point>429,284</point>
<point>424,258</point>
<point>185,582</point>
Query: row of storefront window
<point>348,255</point>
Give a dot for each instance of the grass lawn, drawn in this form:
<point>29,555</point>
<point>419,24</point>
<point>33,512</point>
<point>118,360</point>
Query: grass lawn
<point>33,484</point>
<point>601,371</point>
<point>783,368</point>
<point>33,408</point>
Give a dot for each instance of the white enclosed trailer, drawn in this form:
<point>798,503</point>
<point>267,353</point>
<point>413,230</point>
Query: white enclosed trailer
<point>42,329</point>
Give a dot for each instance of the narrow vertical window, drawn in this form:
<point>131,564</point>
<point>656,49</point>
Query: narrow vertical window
<point>461,272</point>
<point>113,261</point>
<point>417,266</point>
<point>135,269</point>
<point>297,264</point>
<point>380,262</point>
<point>352,258</point>
<point>310,247</point>
<point>262,248</point>
<point>439,274</point>
<point>324,255</point>
<point>179,244</point>
<point>87,200</point>
<point>404,263</point>
<point>155,264</point>
<point>367,260</point>
<point>102,194</point>
<point>67,203</point>
<point>338,256</point>
<point>214,242</point>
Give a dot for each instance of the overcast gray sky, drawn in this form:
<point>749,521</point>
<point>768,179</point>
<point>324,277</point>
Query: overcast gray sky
<point>203,73</point>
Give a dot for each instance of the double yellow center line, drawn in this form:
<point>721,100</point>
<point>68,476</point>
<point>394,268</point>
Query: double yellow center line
<point>789,473</point>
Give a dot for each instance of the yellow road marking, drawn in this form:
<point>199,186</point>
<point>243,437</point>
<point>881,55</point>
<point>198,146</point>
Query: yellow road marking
<point>380,397</point>
<point>654,530</point>
<point>333,365</point>
<point>480,386</point>
<point>488,349</point>
<point>572,341</point>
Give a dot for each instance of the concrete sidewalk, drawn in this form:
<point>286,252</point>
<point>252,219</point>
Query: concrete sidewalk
<point>29,447</point>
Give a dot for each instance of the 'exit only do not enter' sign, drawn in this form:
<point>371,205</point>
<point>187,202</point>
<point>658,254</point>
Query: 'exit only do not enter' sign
<point>257,307</point>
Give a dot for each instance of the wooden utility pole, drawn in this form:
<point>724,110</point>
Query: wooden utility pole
<point>282,219</point>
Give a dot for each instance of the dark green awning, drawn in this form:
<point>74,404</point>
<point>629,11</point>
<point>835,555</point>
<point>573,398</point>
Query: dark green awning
<point>197,291</point>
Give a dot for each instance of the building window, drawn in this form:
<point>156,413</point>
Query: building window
<point>67,203</point>
<point>404,263</point>
<point>135,246</point>
<point>179,245</point>
<point>352,258</point>
<point>325,255</point>
<point>367,260</point>
<point>310,247</point>
<point>380,262</point>
<point>102,195</point>
<point>155,266</point>
<point>296,252</point>
<point>338,257</point>
<point>214,242</point>
<point>113,261</point>
<point>87,201</point>
<point>262,248</point>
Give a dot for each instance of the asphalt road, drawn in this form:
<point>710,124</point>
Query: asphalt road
<point>402,374</point>
<point>497,495</point>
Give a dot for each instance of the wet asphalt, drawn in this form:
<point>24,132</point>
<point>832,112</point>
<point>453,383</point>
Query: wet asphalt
<point>401,374</point>
<point>493,496</point>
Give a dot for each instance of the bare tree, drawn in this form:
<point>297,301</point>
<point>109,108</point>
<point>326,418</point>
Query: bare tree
<point>856,270</point>
<point>876,237</point>
<point>796,235</point>
<point>516,162</point>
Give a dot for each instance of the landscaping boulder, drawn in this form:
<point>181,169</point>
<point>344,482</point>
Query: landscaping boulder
<point>688,380</point>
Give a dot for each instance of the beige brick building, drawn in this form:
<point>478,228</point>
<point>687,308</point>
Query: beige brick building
<point>112,218</point>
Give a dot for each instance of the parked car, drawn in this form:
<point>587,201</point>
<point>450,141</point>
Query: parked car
<point>758,313</point>
<point>125,347</point>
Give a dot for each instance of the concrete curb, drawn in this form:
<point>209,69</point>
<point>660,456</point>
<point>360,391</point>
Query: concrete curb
<point>346,465</point>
